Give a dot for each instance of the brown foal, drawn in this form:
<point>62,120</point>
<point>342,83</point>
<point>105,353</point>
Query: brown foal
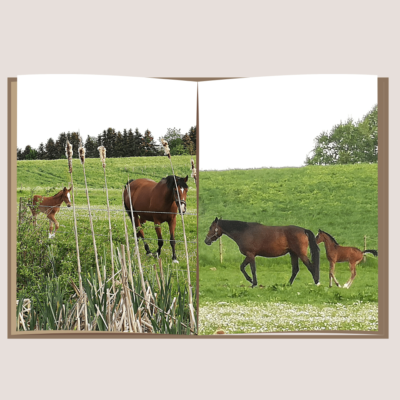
<point>336,253</point>
<point>50,206</point>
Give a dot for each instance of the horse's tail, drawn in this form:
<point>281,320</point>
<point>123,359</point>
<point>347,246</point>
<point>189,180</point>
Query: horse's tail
<point>128,208</point>
<point>314,253</point>
<point>374,252</point>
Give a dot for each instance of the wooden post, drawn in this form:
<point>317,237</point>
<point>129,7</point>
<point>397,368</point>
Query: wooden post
<point>20,209</point>
<point>220,249</point>
<point>365,246</point>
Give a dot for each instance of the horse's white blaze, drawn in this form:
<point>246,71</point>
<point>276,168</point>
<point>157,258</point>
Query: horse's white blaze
<point>182,189</point>
<point>69,198</point>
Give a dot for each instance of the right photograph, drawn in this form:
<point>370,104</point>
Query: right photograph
<point>288,204</point>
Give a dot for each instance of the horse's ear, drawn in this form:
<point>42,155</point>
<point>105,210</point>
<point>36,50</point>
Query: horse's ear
<point>216,219</point>
<point>186,178</point>
<point>64,189</point>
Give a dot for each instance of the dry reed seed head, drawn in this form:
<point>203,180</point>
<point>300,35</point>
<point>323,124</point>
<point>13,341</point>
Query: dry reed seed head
<point>166,147</point>
<point>102,150</point>
<point>194,173</point>
<point>68,153</point>
<point>82,152</point>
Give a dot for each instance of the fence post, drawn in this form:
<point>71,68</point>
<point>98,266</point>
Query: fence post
<point>20,210</point>
<point>220,249</point>
<point>365,246</point>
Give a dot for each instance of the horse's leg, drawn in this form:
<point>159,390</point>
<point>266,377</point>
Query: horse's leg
<point>332,274</point>
<point>246,261</point>
<point>307,263</point>
<point>53,220</point>
<point>172,226</point>
<point>157,226</point>
<point>295,266</point>
<point>253,272</point>
<point>353,274</point>
<point>140,233</point>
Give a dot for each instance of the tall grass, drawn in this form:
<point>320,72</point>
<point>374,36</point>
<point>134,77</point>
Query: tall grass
<point>154,300</point>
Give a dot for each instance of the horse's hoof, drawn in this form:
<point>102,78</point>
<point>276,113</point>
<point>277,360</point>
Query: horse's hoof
<point>175,261</point>
<point>317,284</point>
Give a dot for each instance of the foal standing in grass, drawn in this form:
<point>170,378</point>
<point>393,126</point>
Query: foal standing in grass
<point>50,206</point>
<point>336,253</point>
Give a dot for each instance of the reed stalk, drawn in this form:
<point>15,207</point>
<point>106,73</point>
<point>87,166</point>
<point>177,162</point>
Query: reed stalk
<point>102,151</point>
<point>127,245</point>
<point>82,157</point>
<point>68,153</point>
<point>191,308</point>
<point>137,244</point>
<point>194,173</point>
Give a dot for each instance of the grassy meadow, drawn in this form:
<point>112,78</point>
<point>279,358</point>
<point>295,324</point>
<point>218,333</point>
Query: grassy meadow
<point>341,200</point>
<point>44,263</point>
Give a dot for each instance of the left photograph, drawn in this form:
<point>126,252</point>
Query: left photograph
<point>106,204</point>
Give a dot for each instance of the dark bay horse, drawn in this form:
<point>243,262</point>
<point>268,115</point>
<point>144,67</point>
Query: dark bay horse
<point>336,253</point>
<point>156,202</point>
<point>255,239</point>
<point>50,206</point>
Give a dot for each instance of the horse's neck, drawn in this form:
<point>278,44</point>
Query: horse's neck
<point>330,244</point>
<point>167,195</point>
<point>231,233</point>
<point>54,200</point>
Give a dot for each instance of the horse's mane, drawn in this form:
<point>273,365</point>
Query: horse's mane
<point>54,195</point>
<point>233,225</point>
<point>127,183</point>
<point>170,182</point>
<point>326,233</point>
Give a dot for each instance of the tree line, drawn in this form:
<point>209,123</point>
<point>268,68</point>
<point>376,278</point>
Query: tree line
<point>348,143</point>
<point>128,143</point>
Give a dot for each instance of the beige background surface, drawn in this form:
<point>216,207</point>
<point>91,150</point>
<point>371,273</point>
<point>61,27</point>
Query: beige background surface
<point>205,39</point>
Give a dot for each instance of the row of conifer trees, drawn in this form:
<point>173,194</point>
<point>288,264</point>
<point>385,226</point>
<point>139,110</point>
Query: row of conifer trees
<point>128,143</point>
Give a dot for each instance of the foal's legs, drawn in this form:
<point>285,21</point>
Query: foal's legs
<point>52,220</point>
<point>295,267</point>
<point>332,274</point>
<point>249,260</point>
<point>353,274</point>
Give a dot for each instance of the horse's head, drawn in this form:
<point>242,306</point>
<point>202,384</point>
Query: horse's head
<point>214,233</point>
<point>66,196</point>
<point>180,192</point>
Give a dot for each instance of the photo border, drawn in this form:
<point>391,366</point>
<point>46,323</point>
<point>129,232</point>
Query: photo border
<point>383,239</point>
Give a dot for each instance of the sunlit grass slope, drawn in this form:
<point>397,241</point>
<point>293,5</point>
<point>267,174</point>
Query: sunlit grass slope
<point>341,200</point>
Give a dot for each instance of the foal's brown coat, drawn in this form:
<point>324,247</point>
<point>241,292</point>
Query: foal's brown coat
<point>50,206</point>
<point>336,253</point>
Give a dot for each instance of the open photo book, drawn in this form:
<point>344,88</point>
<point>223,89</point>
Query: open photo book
<point>198,208</point>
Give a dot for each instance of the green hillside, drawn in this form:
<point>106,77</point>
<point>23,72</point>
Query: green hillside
<point>341,200</point>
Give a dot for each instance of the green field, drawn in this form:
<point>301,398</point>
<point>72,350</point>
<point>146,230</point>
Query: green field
<point>39,257</point>
<point>341,200</point>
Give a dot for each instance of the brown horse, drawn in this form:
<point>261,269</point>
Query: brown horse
<point>157,202</point>
<point>50,206</point>
<point>255,239</point>
<point>336,253</point>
